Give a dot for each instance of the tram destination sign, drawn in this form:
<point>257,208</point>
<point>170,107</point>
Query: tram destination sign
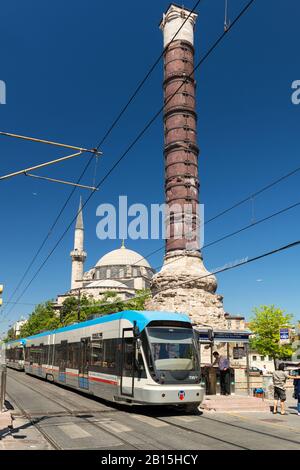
<point>231,336</point>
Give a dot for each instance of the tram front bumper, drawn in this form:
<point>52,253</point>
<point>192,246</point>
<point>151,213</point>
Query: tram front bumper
<point>169,394</point>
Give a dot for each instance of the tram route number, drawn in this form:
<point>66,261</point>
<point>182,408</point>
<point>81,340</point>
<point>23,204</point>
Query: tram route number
<point>151,459</point>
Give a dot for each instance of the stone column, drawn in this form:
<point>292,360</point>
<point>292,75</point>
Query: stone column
<point>183,284</point>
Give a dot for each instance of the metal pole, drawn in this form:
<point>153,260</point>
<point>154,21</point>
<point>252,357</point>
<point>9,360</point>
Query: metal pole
<point>3,386</point>
<point>52,162</point>
<point>53,180</point>
<point>49,142</point>
<point>247,368</point>
<point>78,312</point>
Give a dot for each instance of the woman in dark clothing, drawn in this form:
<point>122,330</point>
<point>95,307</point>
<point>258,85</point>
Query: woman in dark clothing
<point>297,392</point>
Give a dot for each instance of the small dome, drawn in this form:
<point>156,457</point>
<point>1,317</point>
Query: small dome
<point>122,256</point>
<point>107,283</point>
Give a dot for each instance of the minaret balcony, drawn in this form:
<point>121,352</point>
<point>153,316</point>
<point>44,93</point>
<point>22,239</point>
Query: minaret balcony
<point>78,255</point>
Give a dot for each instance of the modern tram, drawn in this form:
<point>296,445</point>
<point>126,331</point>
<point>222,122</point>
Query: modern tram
<point>14,354</point>
<point>131,357</point>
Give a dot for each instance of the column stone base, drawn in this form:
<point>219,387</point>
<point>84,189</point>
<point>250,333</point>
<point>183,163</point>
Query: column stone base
<point>184,285</point>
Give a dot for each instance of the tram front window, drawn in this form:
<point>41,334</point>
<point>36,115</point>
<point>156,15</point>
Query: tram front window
<point>173,353</point>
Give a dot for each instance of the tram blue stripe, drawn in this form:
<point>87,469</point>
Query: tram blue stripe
<point>142,319</point>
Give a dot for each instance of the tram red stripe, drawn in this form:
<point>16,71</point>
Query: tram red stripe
<point>74,374</point>
<point>107,381</point>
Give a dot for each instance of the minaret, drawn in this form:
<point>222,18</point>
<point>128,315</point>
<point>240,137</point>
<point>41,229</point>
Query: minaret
<point>183,284</point>
<point>78,255</point>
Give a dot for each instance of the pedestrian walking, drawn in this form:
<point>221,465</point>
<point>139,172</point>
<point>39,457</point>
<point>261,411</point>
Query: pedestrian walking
<point>279,380</point>
<point>224,368</point>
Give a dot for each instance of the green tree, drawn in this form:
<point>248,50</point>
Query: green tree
<point>43,318</point>
<point>10,335</point>
<point>138,302</point>
<point>265,325</point>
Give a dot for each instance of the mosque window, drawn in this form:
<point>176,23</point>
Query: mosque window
<point>135,272</point>
<point>108,273</point>
<point>121,272</point>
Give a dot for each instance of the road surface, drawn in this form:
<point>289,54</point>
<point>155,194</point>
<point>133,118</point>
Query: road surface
<point>49,416</point>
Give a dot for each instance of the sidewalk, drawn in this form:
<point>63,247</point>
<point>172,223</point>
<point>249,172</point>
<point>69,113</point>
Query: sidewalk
<point>237,403</point>
<point>17,433</point>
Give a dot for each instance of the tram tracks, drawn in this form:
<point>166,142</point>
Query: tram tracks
<point>34,423</point>
<point>34,418</point>
<point>90,416</point>
<point>263,433</point>
<point>67,412</point>
<point>222,423</point>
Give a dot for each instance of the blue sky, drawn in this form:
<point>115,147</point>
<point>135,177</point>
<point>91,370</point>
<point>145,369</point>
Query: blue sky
<point>70,66</point>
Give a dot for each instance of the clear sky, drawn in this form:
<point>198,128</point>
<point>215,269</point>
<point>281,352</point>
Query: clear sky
<point>70,66</point>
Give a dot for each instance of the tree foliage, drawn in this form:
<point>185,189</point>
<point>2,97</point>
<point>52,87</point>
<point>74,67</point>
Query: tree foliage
<point>265,325</point>
<point>10,335</point>
<point>45,317</point>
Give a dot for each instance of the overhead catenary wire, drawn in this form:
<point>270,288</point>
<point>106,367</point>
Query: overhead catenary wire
<point>205,246</point>
<point>227,267</point>
<point>49,142</point>
<point>40,165</point>
<point>234,206</point>
<point>103,139</point>
<point>139,136</point>
<point>54,180</point>
<point>236,232</point>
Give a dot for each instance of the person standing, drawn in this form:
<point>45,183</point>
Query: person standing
<point>265,370</point>
<point>279,381</point>
<point>224,368</point>
<point>297,391</point>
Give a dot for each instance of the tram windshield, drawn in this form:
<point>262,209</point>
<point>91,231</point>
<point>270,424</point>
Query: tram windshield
<point>172,348</point>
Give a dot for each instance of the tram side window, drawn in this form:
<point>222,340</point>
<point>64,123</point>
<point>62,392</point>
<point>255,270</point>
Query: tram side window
<point>109,353</point>
<point>61,351</point>
<point>45,353</point>
<point>27,354</point>
<point>103,355</point>
<point>19,354</point>
<point>8,354</point>
<point>97,352</point>
<point>129,363</point>
<point>73,355</point>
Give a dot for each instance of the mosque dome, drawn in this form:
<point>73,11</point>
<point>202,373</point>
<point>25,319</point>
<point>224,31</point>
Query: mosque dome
<point>123,256</point>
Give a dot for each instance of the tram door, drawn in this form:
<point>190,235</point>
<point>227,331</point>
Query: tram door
<point>62,357</point>
<point>84,358</point>
<point>127,363</point>
<point>39,352</point>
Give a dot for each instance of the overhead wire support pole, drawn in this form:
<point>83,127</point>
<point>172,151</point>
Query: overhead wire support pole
<point>41,165</point>
<point>53,180</point>
<point>49,142</point>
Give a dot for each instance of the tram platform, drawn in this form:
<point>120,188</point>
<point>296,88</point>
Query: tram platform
<point>237,403</point>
